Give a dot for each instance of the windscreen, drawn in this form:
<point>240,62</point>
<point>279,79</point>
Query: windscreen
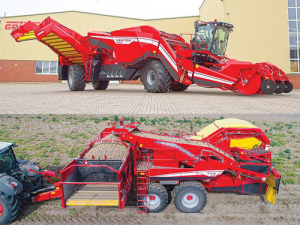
<point>211,38</point>
<point>204,36</point>
<point>7,160</point>
<point>219,43</point>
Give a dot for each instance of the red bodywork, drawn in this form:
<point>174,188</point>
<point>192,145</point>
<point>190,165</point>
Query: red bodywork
<point>211,161</point>
<point>124,53</point>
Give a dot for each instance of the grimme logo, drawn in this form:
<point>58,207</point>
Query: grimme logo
<point>11,25</point>
<point>122,41</point>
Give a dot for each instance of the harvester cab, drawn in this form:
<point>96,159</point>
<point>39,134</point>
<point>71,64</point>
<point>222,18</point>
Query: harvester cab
<point>212,37</point>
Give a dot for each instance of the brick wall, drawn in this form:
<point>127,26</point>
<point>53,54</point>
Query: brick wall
<point>22,71</point>
<point>295,79</point>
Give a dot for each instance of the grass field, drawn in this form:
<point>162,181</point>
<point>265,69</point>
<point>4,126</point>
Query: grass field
<point>54,140</point>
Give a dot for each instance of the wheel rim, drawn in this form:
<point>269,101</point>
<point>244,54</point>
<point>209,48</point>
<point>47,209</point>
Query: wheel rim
<point>151,77</point>
<point>1,210</point>
<point>190,200</point>
<point>153,201</point>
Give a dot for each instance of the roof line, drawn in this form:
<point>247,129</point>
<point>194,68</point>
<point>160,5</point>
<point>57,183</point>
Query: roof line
<point>124,17</point>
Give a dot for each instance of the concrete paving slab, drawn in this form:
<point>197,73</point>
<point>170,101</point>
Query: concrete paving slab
<point>127,99</point>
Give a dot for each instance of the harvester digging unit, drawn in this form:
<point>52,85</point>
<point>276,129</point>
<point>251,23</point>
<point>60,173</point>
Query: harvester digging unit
<point>162,61</point>
<point>125,160</point>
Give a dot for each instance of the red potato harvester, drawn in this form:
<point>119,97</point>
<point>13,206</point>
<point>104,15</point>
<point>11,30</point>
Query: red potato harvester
<point>162,61</point>
<point>229,155</point>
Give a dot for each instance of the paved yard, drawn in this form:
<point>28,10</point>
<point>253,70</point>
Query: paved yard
<point>126,99</point>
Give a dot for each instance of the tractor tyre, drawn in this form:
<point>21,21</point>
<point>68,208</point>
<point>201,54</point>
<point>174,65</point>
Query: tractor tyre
<point>155,77</point>
<point>178,87</point>
<point>100,85</point>
<point>157,198</point>
<point>288,87</point>
<point>190,197</point>
<point>9,208</point>
<point>76,80</point>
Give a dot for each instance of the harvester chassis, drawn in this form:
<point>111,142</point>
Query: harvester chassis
<point>162,61</point>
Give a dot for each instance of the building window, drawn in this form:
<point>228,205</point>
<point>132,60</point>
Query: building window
<point>46,67</point>
<point>294,34</point>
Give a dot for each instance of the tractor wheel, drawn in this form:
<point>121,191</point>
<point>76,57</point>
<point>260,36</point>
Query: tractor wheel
<point>155,77</point>
<point>100,85</point>
<point>157,198</point>
<point>288,87</point>
<point>76,80</point>
<point>189,197</point>
<point>9,208</point>
<point>178,87</point>
<point>268,87</point>
<point>280,87</point>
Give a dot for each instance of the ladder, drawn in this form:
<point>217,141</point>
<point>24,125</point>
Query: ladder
<point>141,192</point>
<point>88,67</point>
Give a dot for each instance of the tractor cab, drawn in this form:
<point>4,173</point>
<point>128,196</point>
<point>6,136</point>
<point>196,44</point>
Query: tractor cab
<point>8,160</point>
<point>211,37</point>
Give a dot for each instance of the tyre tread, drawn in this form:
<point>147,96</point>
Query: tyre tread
<point>79,73</point>
<point>165,79</point>
<point>191,184</point>
<point>13,207</point>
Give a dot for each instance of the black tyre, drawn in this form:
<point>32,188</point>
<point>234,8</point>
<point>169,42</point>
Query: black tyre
<point>268,87</point>
<point>189,197</point>
<point>155,77</point>
<point>288,87</point>
<point>100,85</point>
<point>9,208</point>
<point>178,87</point>
<point>157,198</point>
<point>76,80</point>
<point>280,87</point>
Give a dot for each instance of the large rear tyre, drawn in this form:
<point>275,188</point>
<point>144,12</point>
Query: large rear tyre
<point>288,87</point>
<point>157,198</point>
<point>155,77</point>
<point>178,87</point>
<point>76,80</point>
<point>9,208</point>
<point>268,87</point>
<point>189,197</point>
<point>100,85</point>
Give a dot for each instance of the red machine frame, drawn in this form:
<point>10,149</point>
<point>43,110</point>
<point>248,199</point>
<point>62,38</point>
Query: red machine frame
<point>210,161</point>
<point>124,53</point>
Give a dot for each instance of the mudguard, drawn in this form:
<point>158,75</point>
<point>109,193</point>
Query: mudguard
<point>8,189</point>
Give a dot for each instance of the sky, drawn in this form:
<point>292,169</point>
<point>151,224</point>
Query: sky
<point>142,9</point>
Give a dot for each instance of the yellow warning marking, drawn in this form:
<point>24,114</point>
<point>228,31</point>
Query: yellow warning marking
<point>93,202</point>
<point>28,36</point>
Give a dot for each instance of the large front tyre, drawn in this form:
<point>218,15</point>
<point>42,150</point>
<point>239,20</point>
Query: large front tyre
<point>76,80</point>
<point>155,77</point>
<point>9,208</point>
<point>157,198</point>
<point>100,85</point>
<point>190,197</point>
